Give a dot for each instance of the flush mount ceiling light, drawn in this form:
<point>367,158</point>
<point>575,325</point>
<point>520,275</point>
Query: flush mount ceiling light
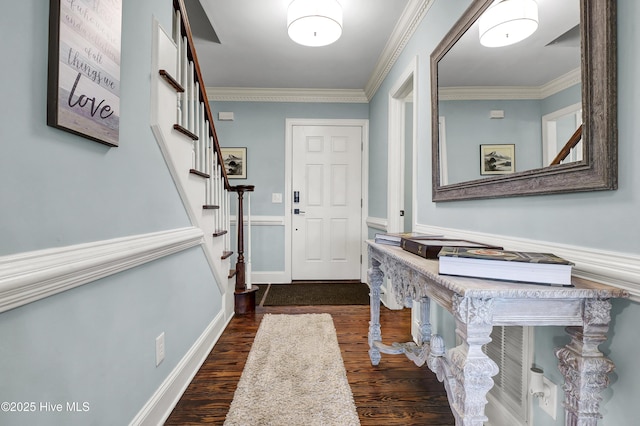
<point>508,22</point>
<point>314,22</point>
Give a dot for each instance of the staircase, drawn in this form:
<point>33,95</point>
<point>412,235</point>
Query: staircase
<point>182,124</point>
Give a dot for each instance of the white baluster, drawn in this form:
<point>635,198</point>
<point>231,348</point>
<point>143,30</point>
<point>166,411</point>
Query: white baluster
<point>216,189</point>
<point>191,113</point>
<point>227,215</point>
<point>204,136</point>
<point>184,61</point>
<point>196,124</point>
<point>177,31</point>
<point>222,199</point>
<point>207,163</point>
<point>248,265</point>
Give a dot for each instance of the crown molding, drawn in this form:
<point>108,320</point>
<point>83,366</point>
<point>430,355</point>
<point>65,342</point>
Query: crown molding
<point>477,93</point>
<point>406,26</point>
<point>243,94</point>
<point>561,83</point>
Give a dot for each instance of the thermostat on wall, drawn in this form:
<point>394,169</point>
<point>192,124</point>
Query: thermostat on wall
<point>496,113</point>
<point>225,116</point>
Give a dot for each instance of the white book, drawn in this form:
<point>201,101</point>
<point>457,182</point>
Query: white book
<point>539,268</point>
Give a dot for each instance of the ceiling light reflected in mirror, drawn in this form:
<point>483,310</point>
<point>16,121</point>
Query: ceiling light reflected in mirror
<point>508,22</point>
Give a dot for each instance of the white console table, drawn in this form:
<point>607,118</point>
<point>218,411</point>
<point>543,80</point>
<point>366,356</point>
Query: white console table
<point>477,305</point>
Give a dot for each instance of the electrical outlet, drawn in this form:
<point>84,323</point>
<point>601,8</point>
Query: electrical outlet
<point>159,349</point>
<point>550,404</point>
<point>276,198</point>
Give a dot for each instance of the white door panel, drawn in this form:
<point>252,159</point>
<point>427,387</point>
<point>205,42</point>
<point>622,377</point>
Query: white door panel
<point>326,234</point>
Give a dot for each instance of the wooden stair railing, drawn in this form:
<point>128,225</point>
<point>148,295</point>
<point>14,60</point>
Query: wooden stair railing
<point>566,149</point>
<point>195,120</point>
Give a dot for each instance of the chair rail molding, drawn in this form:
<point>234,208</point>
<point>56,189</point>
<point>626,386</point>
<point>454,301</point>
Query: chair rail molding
<point>377,223</point>
<point>31,276</point>
<point>621,270</point>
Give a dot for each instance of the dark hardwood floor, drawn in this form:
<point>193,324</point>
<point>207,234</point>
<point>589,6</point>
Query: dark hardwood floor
<point>395,392</point>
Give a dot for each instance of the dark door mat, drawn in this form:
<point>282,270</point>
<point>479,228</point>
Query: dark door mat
<point>316,293</point>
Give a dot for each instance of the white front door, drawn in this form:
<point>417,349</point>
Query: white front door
<point>326,219</point>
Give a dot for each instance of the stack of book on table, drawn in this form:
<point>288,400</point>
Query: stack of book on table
<point>431,246</point>
<point>394,238</point>
<point>540,268</point>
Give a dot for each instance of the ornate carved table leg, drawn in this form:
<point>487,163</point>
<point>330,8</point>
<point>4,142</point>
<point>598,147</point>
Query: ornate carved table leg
<point>425,321</point>
<point>584,367</point>
<point>470,367</point>
<point>375,335</point>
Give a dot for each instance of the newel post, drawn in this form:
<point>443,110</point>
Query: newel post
<point>245,297</point>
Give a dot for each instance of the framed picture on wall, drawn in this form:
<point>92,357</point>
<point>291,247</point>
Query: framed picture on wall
<point>235,162</point>
<point>497,159</point>
<point>83,95</point>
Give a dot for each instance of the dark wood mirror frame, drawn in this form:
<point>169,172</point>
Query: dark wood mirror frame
<point>599,168</point>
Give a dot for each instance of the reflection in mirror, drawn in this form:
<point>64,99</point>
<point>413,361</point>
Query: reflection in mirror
<point>557,128</point>
<point>499,95</point>
<point>529,94</point>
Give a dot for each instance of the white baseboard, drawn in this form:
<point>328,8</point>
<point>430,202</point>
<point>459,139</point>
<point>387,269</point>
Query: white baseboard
<point>163,401</point>
<point>621,270</point>
<point>269,277</point>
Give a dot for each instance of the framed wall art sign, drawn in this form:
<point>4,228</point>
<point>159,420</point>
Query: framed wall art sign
<point>235,162</point>
<point>84,68</point>
<point>497,159</point>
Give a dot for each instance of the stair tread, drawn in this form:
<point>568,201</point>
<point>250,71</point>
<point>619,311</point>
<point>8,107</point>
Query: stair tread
<point>186,132</point>
<point>226,254</point>
<point>219,233</point>
<point>199,173</point>
<point>172,81</point>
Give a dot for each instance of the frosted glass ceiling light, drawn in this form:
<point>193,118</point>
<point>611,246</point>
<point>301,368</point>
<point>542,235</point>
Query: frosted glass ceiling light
<point>314,22</point>
<point>508,22</point>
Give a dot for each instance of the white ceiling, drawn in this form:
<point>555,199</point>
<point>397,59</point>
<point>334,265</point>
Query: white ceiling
<point>534,61</point>
<point>256,52</point>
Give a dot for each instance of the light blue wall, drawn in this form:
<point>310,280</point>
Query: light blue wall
<point>465,120</point>
<point>598,220</point>
<point>260,126</point>
<point>521,126</point>
<point>95,343</point>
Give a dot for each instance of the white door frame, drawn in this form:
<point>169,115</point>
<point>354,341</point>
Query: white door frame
<point>550,137</point>
<point>405,87</point>
<point>396,143</point>
<point>288,176</point>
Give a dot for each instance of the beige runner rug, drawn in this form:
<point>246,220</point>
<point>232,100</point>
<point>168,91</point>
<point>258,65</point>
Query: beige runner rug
<point>294,375</point>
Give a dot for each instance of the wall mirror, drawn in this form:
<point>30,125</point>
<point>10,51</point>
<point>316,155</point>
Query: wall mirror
<point>557,85</point>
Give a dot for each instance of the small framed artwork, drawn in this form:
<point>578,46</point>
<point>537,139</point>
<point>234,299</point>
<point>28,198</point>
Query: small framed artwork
<point>497,159</point>
<point>235,162</point>
<point>84,68</point>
